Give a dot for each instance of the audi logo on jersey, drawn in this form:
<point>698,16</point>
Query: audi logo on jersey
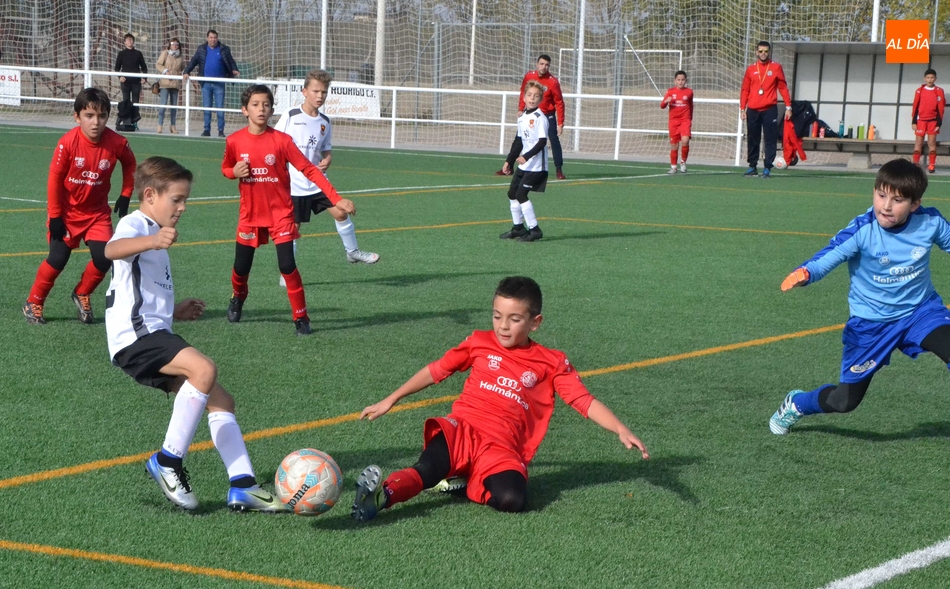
<point>90,175</point>
<point>260,171</point>
<point>509,383</point>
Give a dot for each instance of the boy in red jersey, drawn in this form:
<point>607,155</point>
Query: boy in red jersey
<point>258,155</point>
<point>498,422</point>
<point>927,117</point>
<point>78,202</point>
<point>680,100</point>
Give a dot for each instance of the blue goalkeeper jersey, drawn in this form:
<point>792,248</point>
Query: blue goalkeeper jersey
<point>889,268</point>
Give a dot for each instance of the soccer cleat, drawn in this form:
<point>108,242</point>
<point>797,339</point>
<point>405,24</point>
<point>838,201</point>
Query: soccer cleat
<point>533,234</point>
<point>302,326</point>
<point>254,499</point>
<point>172,482</point>
<point>766,174</point>
<point>356,256</point>
<point>33,313</point>
<point>931,169</point>
<point>515,232</point>
<point>786,416</point>
<point>672,171</point>
<point>206,133</point>
<point>85,308</point>
<point>235,308</point>
<point>451,485</point>
<point>560,175</point>
<point>682,167</point>
<point>751,172</point>
<point>370,496</point>
<point>503,173</point>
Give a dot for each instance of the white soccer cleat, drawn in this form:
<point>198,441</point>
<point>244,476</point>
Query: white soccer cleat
<point>173,483</point>
<point>356,256</point>
<point>672,170</point>
<point>682,167</point>
<point>451,485</point>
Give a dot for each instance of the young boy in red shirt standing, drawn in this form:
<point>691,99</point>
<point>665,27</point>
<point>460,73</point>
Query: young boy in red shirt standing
<point>679,99</point>
<point>78,202</point>
<point>258,155</point>
<point>927,117</point>
<point>498,422</point>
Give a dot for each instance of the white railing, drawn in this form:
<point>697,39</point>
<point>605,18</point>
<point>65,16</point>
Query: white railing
<point>502,123</point>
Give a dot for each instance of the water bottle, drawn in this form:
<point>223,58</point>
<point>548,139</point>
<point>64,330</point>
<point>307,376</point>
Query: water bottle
<point>840,128</point>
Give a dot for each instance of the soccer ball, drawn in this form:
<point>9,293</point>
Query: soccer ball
<point>780,163</point>
<point>308,481</point>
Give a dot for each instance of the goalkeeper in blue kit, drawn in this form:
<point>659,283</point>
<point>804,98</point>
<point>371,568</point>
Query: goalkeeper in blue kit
<point>893,303</point>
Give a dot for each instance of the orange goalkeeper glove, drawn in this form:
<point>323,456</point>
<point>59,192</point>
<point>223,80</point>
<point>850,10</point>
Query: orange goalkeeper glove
<point>797,278</point>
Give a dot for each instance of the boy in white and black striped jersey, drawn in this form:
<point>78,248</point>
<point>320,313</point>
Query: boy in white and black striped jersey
<point>529,151</point>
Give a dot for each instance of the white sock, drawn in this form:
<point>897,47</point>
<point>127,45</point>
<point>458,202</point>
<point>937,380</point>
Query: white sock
<point>348,234</point>
<point>189,406</point>
<point>516,217</point>
<point>227,438</point>
<point>528,209</point>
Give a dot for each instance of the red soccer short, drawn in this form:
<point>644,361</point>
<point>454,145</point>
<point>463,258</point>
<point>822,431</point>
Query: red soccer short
<point>85,228</point>
<point>680,129</point>
<point>257,236</point>
<point>472,455</point>
<point>926,128</point>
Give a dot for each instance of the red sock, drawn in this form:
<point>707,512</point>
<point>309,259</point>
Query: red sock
<point>45,277</point>
<point>239,285</point>
<point>916,157</point>
<point>402,485</point>
<point>90,279</point>
<point>298,301</point>
<point>673,157</point>
<point>685,153</point>
<point>932,158</point>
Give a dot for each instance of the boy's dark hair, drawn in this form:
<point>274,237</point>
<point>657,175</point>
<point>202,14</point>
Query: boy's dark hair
<point>545,57</point>
<point>523,289</point>
<point>903,177</point>
<point>93,97</point>
<point>764,44</point>
<point>678,73</point>
<point>129,36</point>
<point>212,31</point>
<point>930,71</point>
<point>256,89</point>
<point>157,173</point>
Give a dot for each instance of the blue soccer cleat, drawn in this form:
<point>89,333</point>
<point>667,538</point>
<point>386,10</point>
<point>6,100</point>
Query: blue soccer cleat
<point>766,174</point>
<point>254,499</point>
<point>751,172</point>
<point>786,416</point>
<point>173,482</point>
<point>370,496</point>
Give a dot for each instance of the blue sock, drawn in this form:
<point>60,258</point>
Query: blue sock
<point>807,403</point>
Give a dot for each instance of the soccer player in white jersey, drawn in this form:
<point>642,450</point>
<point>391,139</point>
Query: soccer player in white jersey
<point>140,307</point>
<point>312,133</point>
<point>529,150</point>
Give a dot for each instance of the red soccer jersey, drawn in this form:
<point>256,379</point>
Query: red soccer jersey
<point>681,104</point>
<point>81,172</point>
<point>509,394</point>
<point>552,101</point>
<point>265,194</point>
<point>929,104</point>
<point>759,85</point>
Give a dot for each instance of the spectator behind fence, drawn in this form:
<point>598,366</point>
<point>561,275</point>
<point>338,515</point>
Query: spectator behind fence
<point>169,64</point>
<point>213,60</point>
<point>131,60</point>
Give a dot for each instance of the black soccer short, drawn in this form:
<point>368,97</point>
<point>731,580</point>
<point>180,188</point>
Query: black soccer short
<point>304,205</point>
<point>143,359</point>
<point>524,182</point>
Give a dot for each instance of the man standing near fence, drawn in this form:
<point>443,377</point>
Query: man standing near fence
<point>758,106</point>
<point>552,106</point>
<point>213,60</point>
<point>132,61</point>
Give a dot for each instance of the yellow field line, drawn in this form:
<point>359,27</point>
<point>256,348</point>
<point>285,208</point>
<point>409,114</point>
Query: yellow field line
<point>165,566</point>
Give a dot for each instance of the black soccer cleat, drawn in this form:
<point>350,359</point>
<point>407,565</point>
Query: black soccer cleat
<point>84,306</point>
<point>33,313</point>
<point>533,234</point>
<point>235,308</point>
<point>302,326</point>
<point>515,232</point>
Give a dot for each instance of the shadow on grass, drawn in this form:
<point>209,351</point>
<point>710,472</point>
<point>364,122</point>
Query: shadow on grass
<point>601,235</point>
<point>320,321</point>
<point>405,279</point>
<point>923,430</point>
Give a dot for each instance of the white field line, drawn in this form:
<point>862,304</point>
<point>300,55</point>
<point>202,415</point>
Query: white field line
<point>893,568</point>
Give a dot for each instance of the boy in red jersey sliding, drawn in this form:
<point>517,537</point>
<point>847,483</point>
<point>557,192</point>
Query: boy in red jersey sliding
<point>679,99</point>
<point>498,422</point>
<point>78,202</point>
<point>927,117</point>
<point>258,155</point>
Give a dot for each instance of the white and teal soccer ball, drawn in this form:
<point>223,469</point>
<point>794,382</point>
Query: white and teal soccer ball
<point>780,163</point>
<point>308,482</point>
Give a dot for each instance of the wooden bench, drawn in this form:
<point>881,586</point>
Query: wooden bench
<point>861,149</point>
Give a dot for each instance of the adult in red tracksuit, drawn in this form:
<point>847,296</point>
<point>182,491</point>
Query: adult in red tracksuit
<point>552,106</point>
<point>758,105</point>
<point>927,117</point>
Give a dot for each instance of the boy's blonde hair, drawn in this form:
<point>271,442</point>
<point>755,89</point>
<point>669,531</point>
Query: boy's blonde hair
<point>157,173</point>
<point>536,85</point>
<point>319,75</point>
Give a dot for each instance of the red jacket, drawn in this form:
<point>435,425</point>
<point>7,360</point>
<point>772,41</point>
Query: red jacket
<point>767,77</point>
<point>551,101</point>
<point>792,149</point>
